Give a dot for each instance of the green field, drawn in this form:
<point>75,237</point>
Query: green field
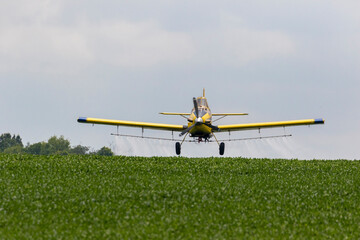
<point>80,197</point>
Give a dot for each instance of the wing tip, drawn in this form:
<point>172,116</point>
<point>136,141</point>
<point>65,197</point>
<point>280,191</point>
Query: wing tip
<point>319,121</point>
<point>82,119</point>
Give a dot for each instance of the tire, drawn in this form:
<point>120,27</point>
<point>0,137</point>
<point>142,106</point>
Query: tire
<point>222,148</point>
<point>177,148</point>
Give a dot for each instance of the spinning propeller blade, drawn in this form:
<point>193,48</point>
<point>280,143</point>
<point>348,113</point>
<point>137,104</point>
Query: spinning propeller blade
<point>186,130</point>
<point>196,108</point>
<point>212,127</point>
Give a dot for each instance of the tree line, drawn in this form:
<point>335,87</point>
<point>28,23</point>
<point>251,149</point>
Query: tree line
<point>54,146</point>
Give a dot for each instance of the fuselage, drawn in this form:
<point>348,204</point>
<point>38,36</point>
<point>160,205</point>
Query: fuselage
<point>200,129</point>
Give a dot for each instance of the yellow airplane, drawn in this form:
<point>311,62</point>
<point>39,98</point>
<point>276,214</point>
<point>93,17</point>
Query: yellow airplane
<point>200,124</point>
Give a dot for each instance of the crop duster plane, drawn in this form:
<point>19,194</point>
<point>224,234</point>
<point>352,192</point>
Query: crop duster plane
<point>200,124</point>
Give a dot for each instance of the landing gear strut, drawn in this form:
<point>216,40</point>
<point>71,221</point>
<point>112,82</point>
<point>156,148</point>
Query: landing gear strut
<point>222,148</point>
<point>178,145</point>
<point>178,148</point>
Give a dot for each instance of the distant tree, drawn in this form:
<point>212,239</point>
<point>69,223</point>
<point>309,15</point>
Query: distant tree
<point>79,150</point>
<point>7,141</point>
<point>14,149</point>
<point>34,148</point>
<point>105,151</point>
<point>56,145</point>
<point>18,140</point>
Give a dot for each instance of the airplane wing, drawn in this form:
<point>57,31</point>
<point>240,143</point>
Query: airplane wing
<point>171,113</point>
<point>214,114</point>
<point>229,114</point>
<point>249,126</point>
<point>159,126</point>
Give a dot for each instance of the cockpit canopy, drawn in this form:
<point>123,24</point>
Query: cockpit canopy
<point>202,102</point>
<point>203,107</point>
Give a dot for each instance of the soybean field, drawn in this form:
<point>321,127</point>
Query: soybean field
<point>94,197</point>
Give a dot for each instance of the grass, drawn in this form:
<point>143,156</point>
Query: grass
<point>78,197</point>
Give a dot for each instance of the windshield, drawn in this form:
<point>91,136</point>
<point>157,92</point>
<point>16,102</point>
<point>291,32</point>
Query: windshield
<point>202,102</point>
<point>203,107</point>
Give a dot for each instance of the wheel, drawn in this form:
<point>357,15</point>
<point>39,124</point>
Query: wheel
<point>222,148</point>
<point>177,148</point>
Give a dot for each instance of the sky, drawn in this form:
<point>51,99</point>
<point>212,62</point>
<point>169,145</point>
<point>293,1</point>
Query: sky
<point>129,60</point>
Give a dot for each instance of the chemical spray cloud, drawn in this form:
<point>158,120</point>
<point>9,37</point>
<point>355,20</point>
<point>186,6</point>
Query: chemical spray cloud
<point>260,148</point>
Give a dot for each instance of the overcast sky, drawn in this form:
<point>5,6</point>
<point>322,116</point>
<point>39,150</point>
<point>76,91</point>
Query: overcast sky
<point>129,60</point>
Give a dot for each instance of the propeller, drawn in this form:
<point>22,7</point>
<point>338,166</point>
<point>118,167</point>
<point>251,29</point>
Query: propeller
<point>212,127</point>
<point>186,130</point>
<point>196,108</point>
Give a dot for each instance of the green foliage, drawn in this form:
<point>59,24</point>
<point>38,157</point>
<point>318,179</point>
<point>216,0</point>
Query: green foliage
<point>8,141</point>
<point>34,148</point>
<point>54,146</point>
<point>79,150</point>
<point>95,197</point>
<point>14,149</point>
<point>105,151</point>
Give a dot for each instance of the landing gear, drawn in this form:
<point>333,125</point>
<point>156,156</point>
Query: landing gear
<point>222,148</point>
<point>178,148</point>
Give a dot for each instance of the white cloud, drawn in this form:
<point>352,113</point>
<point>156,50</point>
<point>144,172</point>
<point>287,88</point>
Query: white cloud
<point>34,38</point>
<point>235,44</point>
<point>36,11</point>
<point>243,45</point>
<point>141,44</point>
<point>42,49</point>
<point>60,49</point>
<point>44,44</point>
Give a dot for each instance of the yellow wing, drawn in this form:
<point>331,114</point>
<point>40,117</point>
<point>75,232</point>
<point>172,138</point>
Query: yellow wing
<point>249,126</point>
<point>159,126</point>
<point>229,114</point>
<point>172,113</point>
<point>214,114</point>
